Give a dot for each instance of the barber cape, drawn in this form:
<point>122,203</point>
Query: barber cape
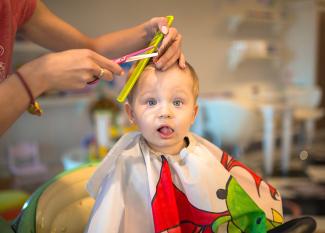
<point>202,189</point>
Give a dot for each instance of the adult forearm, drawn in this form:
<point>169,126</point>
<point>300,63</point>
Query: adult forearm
<point>14,100</point>
<point>67,70</point>
<point>119,43</point>
<point>48,30</point>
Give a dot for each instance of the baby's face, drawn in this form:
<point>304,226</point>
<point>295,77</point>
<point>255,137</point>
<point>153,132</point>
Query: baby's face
<point>164,108</point>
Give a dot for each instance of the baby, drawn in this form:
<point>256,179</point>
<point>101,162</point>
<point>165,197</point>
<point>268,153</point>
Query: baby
<point>165,179</point>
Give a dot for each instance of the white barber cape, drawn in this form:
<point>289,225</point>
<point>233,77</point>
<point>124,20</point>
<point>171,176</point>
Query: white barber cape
<point>202,189</point>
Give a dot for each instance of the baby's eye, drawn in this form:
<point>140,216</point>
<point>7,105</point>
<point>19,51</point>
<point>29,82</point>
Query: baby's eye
<point>151,102</point>
<point>177,103</point>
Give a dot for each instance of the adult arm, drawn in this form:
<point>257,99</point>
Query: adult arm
<point>48,30</point>
<point>67,70</point>
<point>72,69</point>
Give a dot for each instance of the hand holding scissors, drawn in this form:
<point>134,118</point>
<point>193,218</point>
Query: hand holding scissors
<point>134,56</point>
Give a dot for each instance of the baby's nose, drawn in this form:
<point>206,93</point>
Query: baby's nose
<point>165,116</point>
<point>165,111</point>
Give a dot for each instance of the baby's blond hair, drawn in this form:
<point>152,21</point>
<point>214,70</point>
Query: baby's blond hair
<point>152,66</point>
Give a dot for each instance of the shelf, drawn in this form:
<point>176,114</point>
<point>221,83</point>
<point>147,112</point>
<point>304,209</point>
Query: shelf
<point>266,18</point>
<point>241,50</point>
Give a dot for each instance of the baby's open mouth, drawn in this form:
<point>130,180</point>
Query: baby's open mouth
<point>165,131</point>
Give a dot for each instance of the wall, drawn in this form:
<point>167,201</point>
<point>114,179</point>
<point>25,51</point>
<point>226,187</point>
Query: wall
<point>63,125</point>
<point>301,40</point>
<point>202,24</point>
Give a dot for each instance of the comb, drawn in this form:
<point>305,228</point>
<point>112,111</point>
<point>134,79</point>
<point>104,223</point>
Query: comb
<point>142,64</point>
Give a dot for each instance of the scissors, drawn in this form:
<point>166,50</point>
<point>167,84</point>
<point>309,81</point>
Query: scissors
<point>134,56</point>
<point>138,55</point>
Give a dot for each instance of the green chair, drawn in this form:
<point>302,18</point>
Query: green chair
<point>63,205</point>
<point>60,205</point>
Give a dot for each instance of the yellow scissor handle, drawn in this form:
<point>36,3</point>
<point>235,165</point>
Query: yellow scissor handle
<point>142,64</point>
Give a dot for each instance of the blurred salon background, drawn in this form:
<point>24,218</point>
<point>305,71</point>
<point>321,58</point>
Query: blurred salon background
<point>262,84</point>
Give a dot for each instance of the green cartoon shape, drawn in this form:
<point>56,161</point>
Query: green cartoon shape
<point>245,215</point>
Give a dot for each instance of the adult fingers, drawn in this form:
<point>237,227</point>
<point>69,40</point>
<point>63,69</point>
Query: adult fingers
<point>182,61</point>
<point>109,66</point>
<point>102,74</point>
<point>159,23</point>
<point>163,25</point>
<point>107,75</point>
<point>169,39</point>
<point>169,62</point>
<point>170,56</point>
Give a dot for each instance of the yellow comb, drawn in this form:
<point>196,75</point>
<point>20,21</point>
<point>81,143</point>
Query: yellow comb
<point>142,64</point>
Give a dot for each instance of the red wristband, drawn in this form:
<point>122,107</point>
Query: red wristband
<point>34,107</point>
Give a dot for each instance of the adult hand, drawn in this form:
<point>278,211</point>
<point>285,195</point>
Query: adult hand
<point>170,48</point>
<point>71,69</point>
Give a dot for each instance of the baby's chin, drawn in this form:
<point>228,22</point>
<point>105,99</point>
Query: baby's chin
<point>166,150</point>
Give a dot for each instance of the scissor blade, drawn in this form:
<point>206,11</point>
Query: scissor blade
<point>140,57</point>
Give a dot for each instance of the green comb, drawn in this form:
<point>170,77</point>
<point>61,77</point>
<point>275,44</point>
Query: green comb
<point>142,64</point>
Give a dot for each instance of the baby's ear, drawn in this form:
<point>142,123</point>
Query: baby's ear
<point>195,111</point>
<point>129,112</point>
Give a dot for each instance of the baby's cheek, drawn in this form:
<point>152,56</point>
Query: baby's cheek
<point>185,117</point>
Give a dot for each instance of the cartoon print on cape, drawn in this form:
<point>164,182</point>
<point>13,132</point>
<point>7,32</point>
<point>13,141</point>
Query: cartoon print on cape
<point>172,211</point>
<point>229,163</point>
